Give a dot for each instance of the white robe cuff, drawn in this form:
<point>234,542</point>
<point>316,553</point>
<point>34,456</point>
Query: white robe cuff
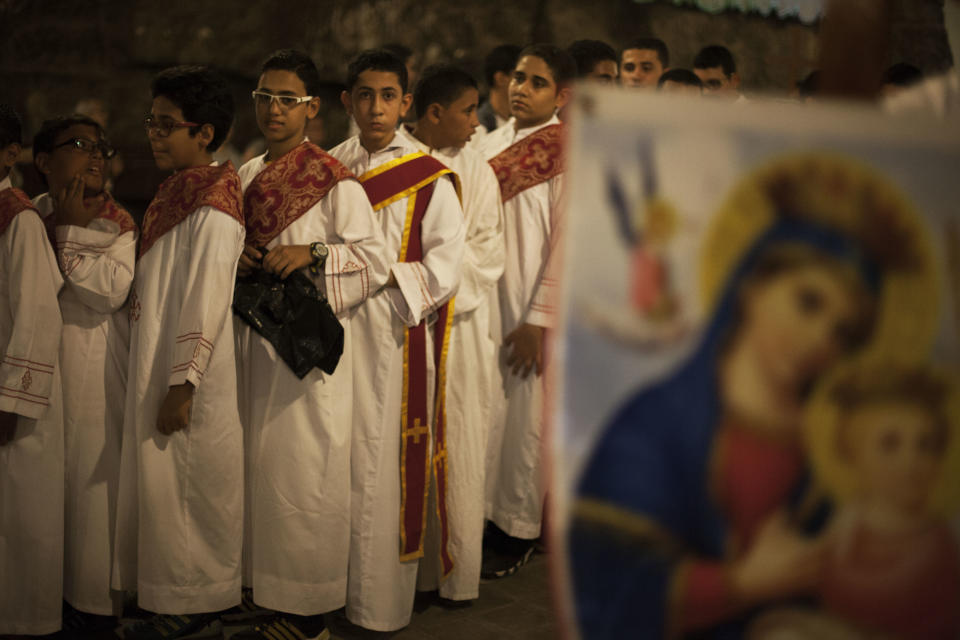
<point>413,300</point>
<point>346,277</point>
<point>192,354</point>
<point>97,263</point>
<point>25,386</point>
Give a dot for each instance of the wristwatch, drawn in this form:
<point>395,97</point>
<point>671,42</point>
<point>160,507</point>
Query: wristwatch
<point>319,251</point>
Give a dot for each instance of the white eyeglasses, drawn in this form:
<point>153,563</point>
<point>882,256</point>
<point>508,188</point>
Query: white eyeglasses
<point>265,99</point>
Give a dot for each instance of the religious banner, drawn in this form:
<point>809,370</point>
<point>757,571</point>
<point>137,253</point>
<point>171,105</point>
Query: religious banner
<point>757,432</point>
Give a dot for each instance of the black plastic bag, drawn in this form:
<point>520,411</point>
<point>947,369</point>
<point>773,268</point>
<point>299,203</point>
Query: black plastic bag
<point>294,317</point>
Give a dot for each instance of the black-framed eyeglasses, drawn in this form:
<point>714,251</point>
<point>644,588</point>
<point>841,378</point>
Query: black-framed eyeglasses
<point>265,99</point>
<point>89,146</point>
<point>163,127</point>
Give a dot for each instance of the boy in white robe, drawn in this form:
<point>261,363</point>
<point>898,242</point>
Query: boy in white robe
<point>446,103</point>
<point>312,215</point>
<point>180,520</point>
<point>31,422</point>
<point>95,242</point>
<point>531,210</point>
<point>399,338</point>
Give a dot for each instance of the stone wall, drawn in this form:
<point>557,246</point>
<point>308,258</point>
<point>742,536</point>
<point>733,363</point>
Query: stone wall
<point>53,52</point>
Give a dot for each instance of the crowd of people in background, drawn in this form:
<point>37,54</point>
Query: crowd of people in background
<point>311,382</point>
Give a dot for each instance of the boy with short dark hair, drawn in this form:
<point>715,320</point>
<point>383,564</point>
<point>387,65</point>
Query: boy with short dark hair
<point>495,110</point>
<point>642,62</point>
<point>310,214</point>
<point>95,241</point>
<point>446,100</point>
<point>682,81</point>
<point>717,69</point>
<point>596,61</point>
<point>400,338</point>
<point>180,513</point>
<point>532,227</point>
<point>31,420</point>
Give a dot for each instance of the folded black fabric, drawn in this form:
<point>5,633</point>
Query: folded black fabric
<point>294,317</point>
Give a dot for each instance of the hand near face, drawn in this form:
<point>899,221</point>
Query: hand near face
<point>175,410</point>
<point>8,427</point>
<point>70,206</point>
<point>284,260</point>
<point>527,353</point>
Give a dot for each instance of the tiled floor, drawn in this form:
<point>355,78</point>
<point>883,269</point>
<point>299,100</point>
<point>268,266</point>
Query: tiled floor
<point>514,607</point>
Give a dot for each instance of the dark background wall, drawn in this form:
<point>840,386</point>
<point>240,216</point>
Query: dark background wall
<point>54,52</point>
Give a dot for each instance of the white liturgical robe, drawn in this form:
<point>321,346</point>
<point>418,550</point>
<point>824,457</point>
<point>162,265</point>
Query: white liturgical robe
<point>297,433</point>
<point>180,511</point>
<point>31,466</point>
<point>515,486</point>
<point>97,263</point>
<point>380,588</point>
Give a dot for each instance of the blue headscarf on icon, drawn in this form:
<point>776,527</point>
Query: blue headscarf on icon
<point>652,463</point>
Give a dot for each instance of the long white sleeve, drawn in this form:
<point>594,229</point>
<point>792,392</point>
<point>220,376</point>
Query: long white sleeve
<point>484,254</point>
<point>205,303</point>
<point>357,265</point>
<point>31,350</point>
<point>426,285</point>
<point>543,306</point>
<point>97,262</point>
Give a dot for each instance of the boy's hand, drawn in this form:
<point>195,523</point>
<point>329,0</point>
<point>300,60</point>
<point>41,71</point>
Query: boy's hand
<point>8,427</point>
<point>175,410</point>
<point>71,208</point>
<point>527,353</point>
<point>249,261</point>
<point>283,261</point>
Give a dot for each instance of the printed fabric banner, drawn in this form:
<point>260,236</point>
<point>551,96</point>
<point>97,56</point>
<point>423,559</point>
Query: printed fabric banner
<point>757,430</point>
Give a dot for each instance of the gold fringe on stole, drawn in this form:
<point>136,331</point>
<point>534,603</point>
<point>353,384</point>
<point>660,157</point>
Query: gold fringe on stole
<point>441,409</point>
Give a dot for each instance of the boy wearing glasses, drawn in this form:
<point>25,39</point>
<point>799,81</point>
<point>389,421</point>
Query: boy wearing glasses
<point>400,339</point>
<point>310,214</point>
<point>95,242</point>
<point>31,426</point>
<point>180,512</point>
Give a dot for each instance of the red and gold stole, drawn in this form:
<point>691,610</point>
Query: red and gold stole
<point>287,189</point>
<point>110,211</point>
<point>186,191</point>
<point>12,202</point>
<point>530,161</point>
<point>414,176</point>
<point>115,213</point>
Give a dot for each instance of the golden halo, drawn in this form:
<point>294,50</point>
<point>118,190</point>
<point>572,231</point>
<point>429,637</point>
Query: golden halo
<point>822,420</point>
<point>845,194</point>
